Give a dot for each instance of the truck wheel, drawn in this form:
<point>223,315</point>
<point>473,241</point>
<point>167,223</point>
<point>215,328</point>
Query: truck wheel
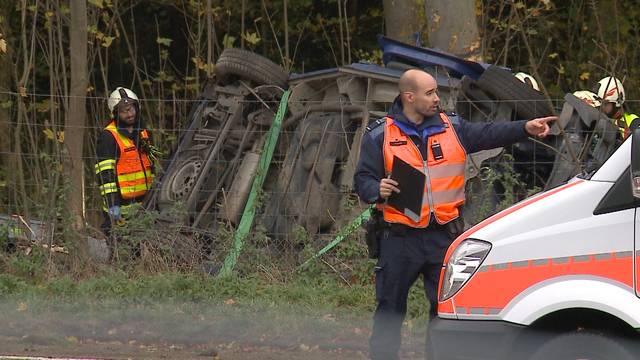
<point>251,66</point>
<point>527,102</point>
<point>179,183</point>
<point>582,345</point>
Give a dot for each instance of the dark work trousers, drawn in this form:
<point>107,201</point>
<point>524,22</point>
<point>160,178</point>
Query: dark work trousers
<point>112,242</point>
<point>405,254</point>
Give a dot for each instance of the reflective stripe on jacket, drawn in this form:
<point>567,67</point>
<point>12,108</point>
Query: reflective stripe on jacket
<point>133,168</point>
<point>444,185</point>
<point>628,119</point>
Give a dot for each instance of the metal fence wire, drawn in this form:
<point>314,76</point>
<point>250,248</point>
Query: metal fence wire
<point>213,150</point>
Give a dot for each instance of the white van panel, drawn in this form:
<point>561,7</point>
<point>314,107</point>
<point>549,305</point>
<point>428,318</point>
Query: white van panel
<point>574,292</point>
<point>559,225</point>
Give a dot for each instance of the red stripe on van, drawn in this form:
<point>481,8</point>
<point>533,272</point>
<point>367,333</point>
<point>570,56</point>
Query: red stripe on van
<point>446,307</point>
<point>497,217</point>
<point>496,288</point>
<point>637,256</point>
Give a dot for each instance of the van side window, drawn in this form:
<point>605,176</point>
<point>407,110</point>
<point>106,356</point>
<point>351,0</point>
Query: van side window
<point>619,197</point>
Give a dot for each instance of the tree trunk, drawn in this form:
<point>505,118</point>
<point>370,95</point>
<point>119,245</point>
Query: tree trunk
<point>6,68</point>
<point>75,123</point>
<point>402,19</point>
<point>453,27</point>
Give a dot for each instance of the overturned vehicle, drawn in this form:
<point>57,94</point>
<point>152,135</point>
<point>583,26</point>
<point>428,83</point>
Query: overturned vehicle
<point>309,180</point>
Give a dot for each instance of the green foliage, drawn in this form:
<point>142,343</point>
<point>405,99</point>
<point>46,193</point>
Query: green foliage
<point>183,287</point>
<point>4,236</point>
<point>10,284</point>
<point>228,41</point>
<point>351,248</point>
<point>146,241</point>
<point>596,39</point>
<point>63,286</point>
<point>419,308</point>
<point>497,187</point>
<point>164,41</point>
<point>29,265</point>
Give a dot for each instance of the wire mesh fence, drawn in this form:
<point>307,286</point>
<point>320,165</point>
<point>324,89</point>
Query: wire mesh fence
<point>211,153</point>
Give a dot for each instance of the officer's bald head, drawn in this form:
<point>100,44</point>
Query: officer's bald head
<point>418,94</point>
<point>415,80</point>
<point>408,81</point>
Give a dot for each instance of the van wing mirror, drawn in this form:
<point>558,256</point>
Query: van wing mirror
<point>635,163</point>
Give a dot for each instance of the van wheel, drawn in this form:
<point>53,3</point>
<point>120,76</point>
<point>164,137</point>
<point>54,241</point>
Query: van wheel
<point>178,183</point>
<point>582,345</point>
<point>251,66</point>
<point>526,101</point>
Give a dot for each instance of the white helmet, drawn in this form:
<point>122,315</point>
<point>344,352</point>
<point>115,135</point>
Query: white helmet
<point>588,97</point>
<point>528,79</point>
<point>121,95</point>
<point>610,89</point>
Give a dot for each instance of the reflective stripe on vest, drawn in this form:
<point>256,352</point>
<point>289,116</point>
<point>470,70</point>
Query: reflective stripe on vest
<point>108,164</point>
<point>444,185</point>
<point>628,119</point>
<point>133,168</point>
<point>108,188</point>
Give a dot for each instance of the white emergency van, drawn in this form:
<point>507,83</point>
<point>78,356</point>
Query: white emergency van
<point>565,260</point>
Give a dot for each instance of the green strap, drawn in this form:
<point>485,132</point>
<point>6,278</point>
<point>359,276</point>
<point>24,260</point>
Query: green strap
<point>249,210</point>
<point>344,232</point>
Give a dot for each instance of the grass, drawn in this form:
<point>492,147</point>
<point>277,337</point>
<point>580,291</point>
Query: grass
<point>341,280</point>
<point>319,293</point>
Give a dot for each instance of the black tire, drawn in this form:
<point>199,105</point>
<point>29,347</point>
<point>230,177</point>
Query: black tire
<point>250,66</point>
<point>584,345</point>
<point>473,103</point>
<point>526,101</point>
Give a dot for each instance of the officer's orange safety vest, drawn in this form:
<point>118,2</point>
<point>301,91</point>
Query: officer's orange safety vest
<point>133,167</point>
<point>444,185</point>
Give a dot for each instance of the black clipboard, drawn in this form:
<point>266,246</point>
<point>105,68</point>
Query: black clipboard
<point>411,184</point>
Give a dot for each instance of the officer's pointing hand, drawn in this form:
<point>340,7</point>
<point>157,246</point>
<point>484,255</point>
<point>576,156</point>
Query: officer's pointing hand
<point>388,186</point>
<point>539,127</point>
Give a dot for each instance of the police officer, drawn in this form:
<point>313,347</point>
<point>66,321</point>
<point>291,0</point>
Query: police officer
<point>416,131</point>
<point>123,167</point>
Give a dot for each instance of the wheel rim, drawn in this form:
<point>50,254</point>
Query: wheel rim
<point>185,178</point>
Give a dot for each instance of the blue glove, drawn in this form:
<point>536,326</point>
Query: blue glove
<point>114,212</point>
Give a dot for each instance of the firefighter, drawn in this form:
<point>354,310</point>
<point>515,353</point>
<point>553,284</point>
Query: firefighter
<point>589,98</point>
<point>528,79</point>
<point>124,166</point>
<point>611,92</point>
<point>436,144</point>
